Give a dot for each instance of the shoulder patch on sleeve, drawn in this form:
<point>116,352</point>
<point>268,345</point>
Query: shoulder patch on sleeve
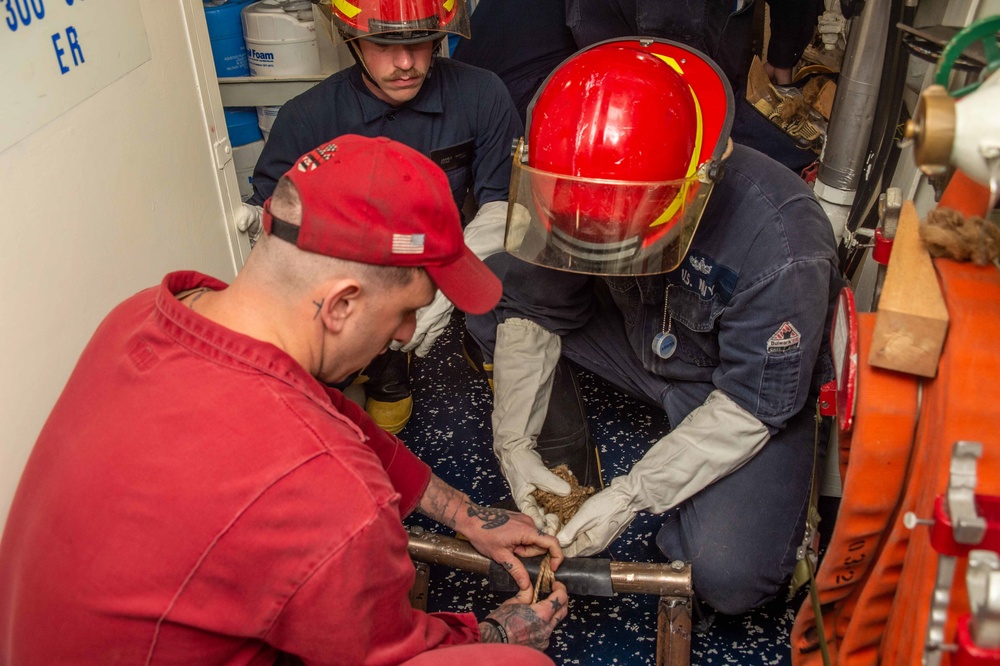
<point>785,339</point>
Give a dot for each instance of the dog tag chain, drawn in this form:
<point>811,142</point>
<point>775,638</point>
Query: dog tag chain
<point>665,342</point>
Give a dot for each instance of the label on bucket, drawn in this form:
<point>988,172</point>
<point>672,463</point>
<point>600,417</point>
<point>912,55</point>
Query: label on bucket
<point>300,58</point>
<point>260,59</point>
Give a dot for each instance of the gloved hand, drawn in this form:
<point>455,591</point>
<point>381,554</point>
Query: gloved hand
<point>715,439</point>
<point>524,359</point>
<point>597,523</point>
<point>432,319</point>
<point>249,219</point>
<point>525,472</point>
<point>484,236</point>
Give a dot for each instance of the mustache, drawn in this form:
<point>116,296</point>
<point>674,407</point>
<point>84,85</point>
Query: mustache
<point>398,74</point>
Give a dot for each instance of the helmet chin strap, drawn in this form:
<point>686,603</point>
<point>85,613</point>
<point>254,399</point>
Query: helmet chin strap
<point>359,59</point>
<point>356,54</point>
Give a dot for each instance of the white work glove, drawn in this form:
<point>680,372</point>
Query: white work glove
<point>525,472</point>
<point>484,236</point>
<point>432,319</point>
<point>714,440</point>
<point>524,360</point>
<point>601,520</point>
<point>249,219</point>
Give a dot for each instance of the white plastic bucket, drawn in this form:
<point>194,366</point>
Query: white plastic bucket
<point>265,118</point>
<point>280,37</point>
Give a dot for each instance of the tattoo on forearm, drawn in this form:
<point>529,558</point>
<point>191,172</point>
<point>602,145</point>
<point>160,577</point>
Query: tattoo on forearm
<point>442,502</point>
<point>492,518</point>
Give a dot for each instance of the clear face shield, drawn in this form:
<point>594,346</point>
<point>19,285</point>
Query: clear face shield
<point>400,21</point>
<point>602,227</point>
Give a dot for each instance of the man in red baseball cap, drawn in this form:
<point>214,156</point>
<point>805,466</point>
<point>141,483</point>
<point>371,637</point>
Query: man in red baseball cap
<point>199,495</point>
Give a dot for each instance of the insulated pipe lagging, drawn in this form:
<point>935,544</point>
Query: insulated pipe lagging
<point>670,580</point>
<point>842,160</point>
<point>854,103</point>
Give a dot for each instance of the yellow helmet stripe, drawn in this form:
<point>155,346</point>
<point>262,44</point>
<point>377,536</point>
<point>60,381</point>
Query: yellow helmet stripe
<point>448,5</point>
<point>699,134</point>
<point>670,61</point>
<point>346,8</point>
<point>671,210</point>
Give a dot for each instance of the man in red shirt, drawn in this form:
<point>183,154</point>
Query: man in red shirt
<point>198,494</point>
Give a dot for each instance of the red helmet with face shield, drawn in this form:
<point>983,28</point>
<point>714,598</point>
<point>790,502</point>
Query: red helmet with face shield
<point>400,21</point>
<point>624,141</point>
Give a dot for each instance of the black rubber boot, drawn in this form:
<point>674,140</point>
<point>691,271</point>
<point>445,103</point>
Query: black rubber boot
<point>474,357</point>
<point>387,389</point>
<point>565,437</point>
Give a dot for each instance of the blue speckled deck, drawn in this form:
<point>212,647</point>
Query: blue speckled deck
<point>450,430</point>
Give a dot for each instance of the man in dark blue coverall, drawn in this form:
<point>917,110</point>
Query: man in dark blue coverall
<point>714,308</point>
<point>460,116</point>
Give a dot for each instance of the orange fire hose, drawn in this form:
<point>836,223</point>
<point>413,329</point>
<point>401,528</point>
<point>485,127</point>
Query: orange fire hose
<point>878,451</point>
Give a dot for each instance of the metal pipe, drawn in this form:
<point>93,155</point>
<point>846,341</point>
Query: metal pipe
<point>673,579</point>
<point>853,114</point>
<point>665,580</point>
<point>854,103</point>
<point>438,549</point>
<point>673,631</point>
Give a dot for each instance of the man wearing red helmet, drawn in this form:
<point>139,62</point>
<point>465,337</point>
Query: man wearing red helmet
<point>694,274</point>
<point>459,116</point>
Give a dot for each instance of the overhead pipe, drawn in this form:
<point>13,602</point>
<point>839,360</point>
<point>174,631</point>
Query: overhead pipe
<point>853,114</point>
<point>883,150</point>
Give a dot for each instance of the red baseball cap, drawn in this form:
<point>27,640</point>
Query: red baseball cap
<point>376,201</point>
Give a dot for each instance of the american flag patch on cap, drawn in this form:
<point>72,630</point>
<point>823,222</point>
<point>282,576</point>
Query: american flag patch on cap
<point>407,243</point>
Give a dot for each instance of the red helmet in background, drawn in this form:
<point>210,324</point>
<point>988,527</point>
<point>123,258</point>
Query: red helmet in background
<point>400,21</point>
<point>625,139</point>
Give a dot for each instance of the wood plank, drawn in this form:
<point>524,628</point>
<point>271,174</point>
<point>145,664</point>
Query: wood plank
<point>912,319</point>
